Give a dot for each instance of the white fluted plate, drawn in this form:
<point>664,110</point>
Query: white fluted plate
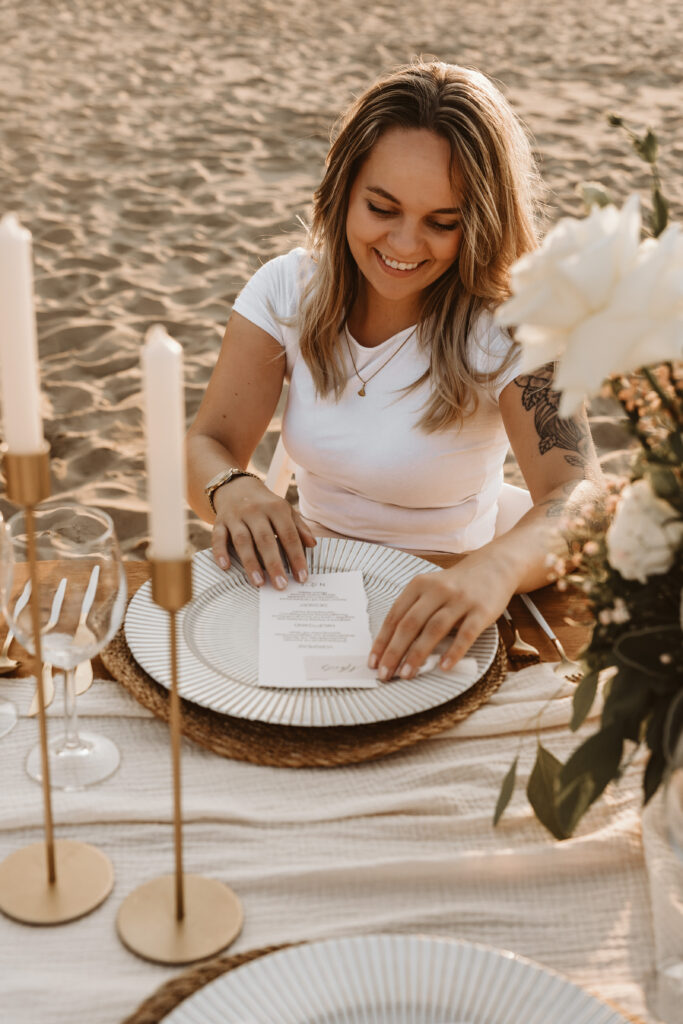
<point>391,979</point>
<point>218,644</point>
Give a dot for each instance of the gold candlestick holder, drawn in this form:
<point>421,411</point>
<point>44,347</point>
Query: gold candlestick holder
<point>180,918</point>
<point>49,882</point>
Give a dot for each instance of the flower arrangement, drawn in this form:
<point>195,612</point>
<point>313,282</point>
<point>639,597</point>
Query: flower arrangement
<point>607,309</point>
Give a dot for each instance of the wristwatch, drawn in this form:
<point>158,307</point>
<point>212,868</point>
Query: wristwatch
<point>224,477</point>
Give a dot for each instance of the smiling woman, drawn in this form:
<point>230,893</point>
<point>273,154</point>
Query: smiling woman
<point>404,396</point>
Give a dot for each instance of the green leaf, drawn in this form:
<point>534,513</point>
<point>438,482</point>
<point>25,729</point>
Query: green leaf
<point>654,773</point>
<point>598,757</point>
<point>594,194</point>
<point>505,791</point>
<point>627,705</point>
<point>541,790</point>
<point>584,695</point>
<point>574,802</point>
<point>647,146</point>
<point>660,211</point>
<point>658,722</point>
<point>664,482</point>
<point>676,442</point>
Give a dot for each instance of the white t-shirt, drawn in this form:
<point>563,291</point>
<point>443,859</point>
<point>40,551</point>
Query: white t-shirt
<point>364,468</point>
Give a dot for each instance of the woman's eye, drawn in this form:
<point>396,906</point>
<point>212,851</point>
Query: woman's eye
<point>446,227</point>
<point>379,210</point>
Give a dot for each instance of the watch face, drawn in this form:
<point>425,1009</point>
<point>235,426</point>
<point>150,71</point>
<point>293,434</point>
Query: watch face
<point>218,479</point>
<point>223,478</point>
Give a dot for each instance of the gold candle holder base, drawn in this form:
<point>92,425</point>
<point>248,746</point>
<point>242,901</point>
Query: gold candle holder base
<point>84,879</point>
<point>148,926</point>
<point>50,882</point>
<point>179,918</point>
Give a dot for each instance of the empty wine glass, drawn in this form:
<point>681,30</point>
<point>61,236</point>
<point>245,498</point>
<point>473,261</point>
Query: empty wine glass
<point>8,712</point>
<point>82,593</point>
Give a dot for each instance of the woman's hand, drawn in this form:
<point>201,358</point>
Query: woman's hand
<point>470,595</point>
<point>253,519</point>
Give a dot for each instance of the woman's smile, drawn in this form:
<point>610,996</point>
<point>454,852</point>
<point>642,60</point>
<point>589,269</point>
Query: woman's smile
<point>396,267</point>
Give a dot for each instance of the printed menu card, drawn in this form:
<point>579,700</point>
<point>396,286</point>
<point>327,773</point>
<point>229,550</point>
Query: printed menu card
<point>316,634</point>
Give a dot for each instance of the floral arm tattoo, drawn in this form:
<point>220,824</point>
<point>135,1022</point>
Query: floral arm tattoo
<point>571,435</point>
<point>553,432</point>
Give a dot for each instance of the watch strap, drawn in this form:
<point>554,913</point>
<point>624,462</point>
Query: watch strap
<point>224,478</point>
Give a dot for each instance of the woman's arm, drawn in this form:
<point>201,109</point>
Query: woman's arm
<point>560,467</point>
<point>234,414</point>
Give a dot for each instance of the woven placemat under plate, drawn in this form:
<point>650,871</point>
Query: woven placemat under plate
<point>294,746</point>
<point>173,992</point>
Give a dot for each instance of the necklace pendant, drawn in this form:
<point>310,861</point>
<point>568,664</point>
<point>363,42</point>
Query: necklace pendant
<point>362,392</point>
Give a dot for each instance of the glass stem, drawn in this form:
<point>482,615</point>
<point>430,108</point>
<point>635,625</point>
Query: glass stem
<point>71,737</point>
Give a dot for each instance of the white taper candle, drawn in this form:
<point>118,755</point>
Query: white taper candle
<point>162,363</point>
<point>23,426</point>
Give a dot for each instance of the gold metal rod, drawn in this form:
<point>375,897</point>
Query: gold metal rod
<point>35,615</point>
<point>174,718</point>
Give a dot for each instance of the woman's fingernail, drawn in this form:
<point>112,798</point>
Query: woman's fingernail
<point>257,578</point>
<point>222,561</point>
<point>406,672</point>
<point>384,673</point>
<point>446,664</point>
<point>280,582</point>
<point>373,661</point>
<point>302,576</point>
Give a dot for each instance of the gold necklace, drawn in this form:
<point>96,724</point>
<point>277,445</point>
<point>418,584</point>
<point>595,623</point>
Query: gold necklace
<point>367,380</point>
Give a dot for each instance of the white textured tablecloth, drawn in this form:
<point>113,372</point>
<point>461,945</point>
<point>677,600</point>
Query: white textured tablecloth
<point>401,844</point>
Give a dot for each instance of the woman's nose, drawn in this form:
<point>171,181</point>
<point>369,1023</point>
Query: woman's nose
<point>405,238</point>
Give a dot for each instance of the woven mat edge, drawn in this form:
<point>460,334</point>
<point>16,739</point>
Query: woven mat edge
<point>298,746</point>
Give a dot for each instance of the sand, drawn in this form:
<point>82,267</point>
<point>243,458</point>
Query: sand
<point>160,150</point>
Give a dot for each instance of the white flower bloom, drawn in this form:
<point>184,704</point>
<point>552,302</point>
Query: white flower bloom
<point>620,613</point>
<point>598,303</point>
<point>644,535</point>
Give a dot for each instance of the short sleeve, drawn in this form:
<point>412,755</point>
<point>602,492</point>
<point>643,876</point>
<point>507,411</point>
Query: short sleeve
<point>271,296</point>
<point>490,346</point>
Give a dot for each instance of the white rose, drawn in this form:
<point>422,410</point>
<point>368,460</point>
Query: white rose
<point>596,302</point>
<point>644,535</point>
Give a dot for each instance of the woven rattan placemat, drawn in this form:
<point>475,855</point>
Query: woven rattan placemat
<point>173,992</point>
<point>298,746</point>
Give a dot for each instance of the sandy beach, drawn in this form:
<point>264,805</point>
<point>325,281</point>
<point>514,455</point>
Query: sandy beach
<point>160,151</point>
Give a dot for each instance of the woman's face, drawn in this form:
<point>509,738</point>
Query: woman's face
<point>403,221</point>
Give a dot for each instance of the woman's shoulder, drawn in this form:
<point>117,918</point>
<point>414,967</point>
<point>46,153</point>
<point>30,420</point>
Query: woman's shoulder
<point>489,344</point>
<point>493,352</point>
<point>276,285</point>
<point>289,271</point>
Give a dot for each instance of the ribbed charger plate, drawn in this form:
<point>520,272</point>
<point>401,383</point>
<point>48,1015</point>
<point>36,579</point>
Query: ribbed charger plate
<point>220,628</point>
<point>391,979</point>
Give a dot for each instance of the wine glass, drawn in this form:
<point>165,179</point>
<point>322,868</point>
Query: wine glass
<point>82,593</point>
<point>8,711</point>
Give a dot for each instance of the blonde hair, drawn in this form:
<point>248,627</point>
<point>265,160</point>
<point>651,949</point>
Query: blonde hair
<point>490,149</point>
